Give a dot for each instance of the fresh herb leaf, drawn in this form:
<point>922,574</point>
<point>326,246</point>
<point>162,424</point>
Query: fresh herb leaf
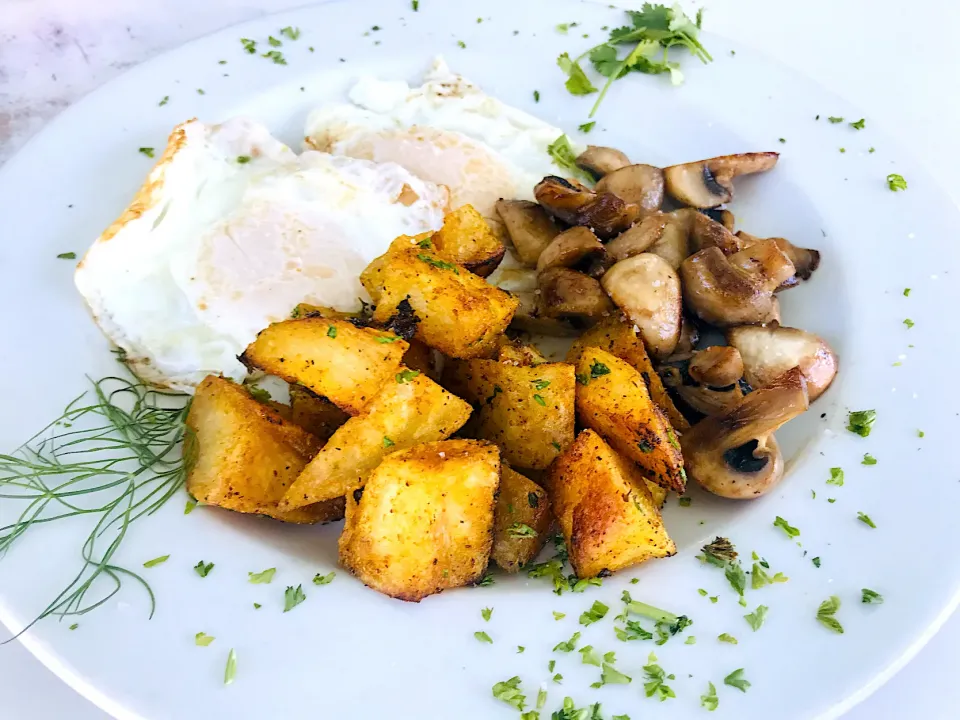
<point>827,611</point>
<point>562,153</point>
<point>836,477</point>
<point>896,182</point>
<point>611,676</point>
<point>509,692</point>
<point>276,56</point>
<point>536,96</point>
<point>485,581</point>
<point>655,684</point>
<point>291,32</point>
<point>906,292</point>
<point>274,42</point>
<point>691,640</point>
<point>736,679</point>
<point>685,501</point>
<point>230,672</point>
<point>727,638</point>
<point>166,99</point>
<point>486,613</point>
<point>202,639</point>
<point>568,645</point>
<point>190,505</point>
<point>540,384</point>
<point>148,151</point>
<point>243,159</point>
<point>756,618</point>
<point>736,577</point>
<point>520,530</point>
<point>203,569</point>
<point>319,579</point>
<point>415,4</point>
<point>520,648</point>
<point>405,376</point>
<point>871,597</point>
<point>858,125</point>
<point>264,577</point>
<point>787,527</point>
<point>387,442</point>
<point>292,597</point>
<point>861,421</point>
<point>156,561</point>
<point>74,626</point>
<point>558,615</point>
<point>332,331</point>
<point>589,656</point>
<point>439,264</point>
<point>249,46</point>
<point>835,120</point>
<point>909,323</point>
<point>868,459</point>
<point>597,369</point>
<point>67,256</point>
<point>633,631</point>
<point>482,637</point>
<point>587,126</point>
<point>577,81</point>
<point>710,701</point>
<point>257,606</point>
<point>596,612</point>
<point>816,561</point>
<point>865,519</point>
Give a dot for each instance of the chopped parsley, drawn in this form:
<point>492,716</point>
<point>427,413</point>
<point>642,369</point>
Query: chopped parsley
<point>166,99</point>
<point>243,159</point>
<point>727,638</point>
<point>906,292</point>
<point>415,4</point>
<point>871,597</point>
<point>920,433</point>
<point>558,615</point>
<point>655,684</point>
<point>541,698</point>
<point>562,154</point>
<point>202,639</point>
<point>836,477</point>
<point>868,459</point>
<point>319,579</point>
<point>520,530</point>
<point>520,648</point>
<point>461,44</point>
<point>540,384</point>
<point>483,637</point>
<point>827,611</point>
<point>509,692</point>
<point>259,394</point>
<point>200,91</point>
<point>230,672</point>
<point>387,442</point>
<point>146,151</point>
<point>861,421</point>
<point>577,81</point>
<point>74,626</point>
<point>249,46</point>
<point>633,630</point>
<point>896,182</point>
<point>203,569</point>
<point>536,96</point>
<point>710,701</point>
<point>67,256</point>
<point>865,519</point>
<point>264,577</point>
<point>156,561</point>
<point>257,606</point>
<point>332,331</point>
<point>276,56</point>
<point>539,400</point>
<point>568,645</point>
<point>485,581</point>
<point>486,613</point>
<point>589,656</point>
<point>816,561</point>
<point>909,323</point>
<point>587,126</point>
<point>703,593</point>
<point>756,618</point>
<point>759,578</point>
<point>787,527</point>
<point>719,552</point>
<point>596,612</point>
<point>736,680</point>
<point>274,42</point>
<point>190,505</point>
<point>292,597</point>
<point>291,32</point>
<point>405,376</point>
<point>858,125</point>
<point>611,676</point>
<point>691,640</point>
<point>439,264</point>
<point>685,501</point>
<point>835,120</point>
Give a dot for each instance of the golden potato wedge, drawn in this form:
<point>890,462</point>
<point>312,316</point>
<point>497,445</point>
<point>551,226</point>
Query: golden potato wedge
<point>659,494</point>
<point>404,414</point>
<point>305,310</point>
<point>619,338</point>
<point>521,521</point>
<point>424,521</point>
<point>466,239</point>
<point>516,353</point>
<point>245,455</point>
<point>529,412</point>
<point>333,358</point>
<point>460,314</point>
<point>315,414</point>
<point>604,509</point>
<point>613,399</point>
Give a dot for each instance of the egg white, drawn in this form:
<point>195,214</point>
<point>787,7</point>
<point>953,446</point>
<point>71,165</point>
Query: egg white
<point>215,248</point>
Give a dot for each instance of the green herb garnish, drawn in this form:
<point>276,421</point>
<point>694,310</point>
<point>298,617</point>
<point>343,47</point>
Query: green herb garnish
<point>166,99</point>
<point>439,264</point>
<point>858,125</point>
<point>319,579</point>
<point>259,394</point>
<point>868,459</point>
<point>827,611</point>
<point>655,684</point>
<point>787,527</point>
<point>264,577</point>
<point>568,645</point>
<point>727,638</point>
<point>861,421</point>
<point>276,56</point>
<point>156,561</point>
<point>871,597</point>
<point>520,530</point>
<point>596,612</point>
<point>486,613</point>
<point>756,618</point>
<point>231,670</point>
<point>202,639</point>
<point>836,476</point>
<point>835,120</point>
<point>483,637</point>
<point>203,569</point>
<point>736,679</point>
<point>710,701</point>
<point>587,126</point>
<point>243,159</point>
<point>865,519</point>
<point>249,46</point>
<point>405,376</point>
<point>292,597</point>
<point>896,182</point>
<point>291,32</point>
<point>509,692</point>
<point>539,400</point>
<point>148,151</point>
<point>64,256</point>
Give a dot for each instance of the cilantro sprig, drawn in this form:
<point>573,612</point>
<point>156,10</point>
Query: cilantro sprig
<point>652,31</point>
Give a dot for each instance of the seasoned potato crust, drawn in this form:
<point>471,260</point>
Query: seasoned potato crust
<point>521,521</point>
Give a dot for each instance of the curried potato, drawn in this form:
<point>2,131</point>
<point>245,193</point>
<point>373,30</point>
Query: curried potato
<point>424,521</point>
<point>619,338</point>
<point>613,399</point>
<point>315,414</point>
<point>521,521</point>
<point>604,510</point>
<point>333,358</point>
<point>460,314</point>
<point>245,455</point>
<point>466,239</point>
<point>404,414</point>
<point>528,411</point>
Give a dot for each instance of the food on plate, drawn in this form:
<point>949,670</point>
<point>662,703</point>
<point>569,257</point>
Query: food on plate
<point>641,185</point>
<point>577,248</point>
<point>229,232</point>
<point>613,400</point>
<point>424,520</point>
<point>805,261</point>
<point>527,411</point>
<point>244,455</point>
<point>459,314</point>
<point>333,358</point>
<point>466,239</point>
<point>569,202</point>
<point>768,352</point>
<point>566,294</point>
<point>718,365</point>
<point>608,518</point>
<point>519,354</point>
<point>734,454</point>
<point>709,183</point>
<point>599,161</point>
<point>315,414</point>
<point>521,521</point>
<point>409,409</point>
<point>529,228</point>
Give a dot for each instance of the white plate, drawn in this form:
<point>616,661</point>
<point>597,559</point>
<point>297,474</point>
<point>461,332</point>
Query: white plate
<point>349,652</point>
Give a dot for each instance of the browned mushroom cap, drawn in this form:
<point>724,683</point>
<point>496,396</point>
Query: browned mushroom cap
<point>673,245</point>
<point>572,248</point>
<point>572,203</point>
<point>647,290</point>
<point>598,160</point>
<point>709,400</point>
<point>706,232</point>
<point>638,238</point>
<point>689,335</point>
<point>566,293</point>
<point>528,318</point>
<point>768,352</point>
<point>804,260</point>
<point>717,366</point>
<point>734,454</point>
<point>529,227</point>
<point>638,184</point>
<point>696,394</point>
<point>708,183</point>
<point>735,290</point>
<point>724,217</point>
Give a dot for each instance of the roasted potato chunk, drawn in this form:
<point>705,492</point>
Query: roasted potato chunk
<point>528,411</point>
<point>424,521</point>
<point>460,314</point>
<point>245,455</point>
<point>521,521</point>
<point>333,358</point>
<point>620,339</point>
<point>466,239</point>
<point>604,509</point>
<point>613,400</point>
<point>317,415</point>
<point>404,414</point>
<point>420,358</point>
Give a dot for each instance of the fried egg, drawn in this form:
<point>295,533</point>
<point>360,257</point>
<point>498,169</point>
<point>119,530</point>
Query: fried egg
<point>446,131</point>
<point>230,231</point>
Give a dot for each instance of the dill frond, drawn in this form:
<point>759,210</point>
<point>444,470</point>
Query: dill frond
<point>114,455</point>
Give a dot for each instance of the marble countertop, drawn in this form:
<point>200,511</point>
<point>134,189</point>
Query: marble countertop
<point>899,64</point>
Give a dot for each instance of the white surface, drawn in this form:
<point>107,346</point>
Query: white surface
<point>901,100</point>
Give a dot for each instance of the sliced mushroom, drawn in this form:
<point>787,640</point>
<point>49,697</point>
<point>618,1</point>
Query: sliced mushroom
<point>528,318</point>
<point>735,290</point>
<point>647,290</point>
<point>577,247</point>
<point>673,245</point>
<point>716,366</point>
<point>569,294</point>
<point>529,227</point>
<point>770,351</point>
<point>724,217</point>
<point>706,232</point>
<point>638,238</point>
<point>805,261</point>
<point>708,183</point>
<point>734,454</point>
<point>572,203</point>
<point>696,400</point>
<point>638,184</point>
<point>599,161</point>
<point>689,335</point>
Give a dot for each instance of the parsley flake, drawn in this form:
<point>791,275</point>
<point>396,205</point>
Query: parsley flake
<point>596,612</point>
<point>558,615</point>
<point>896,182</point>
<point>231,670</point>
<point>539,400</point>
<point>156,561</point>
<point>865,519</point>
<point>861,421</point>
<point>319,579</point>
<point>332,331</point>
<point>509,692</point>
<point>871,597</point>
<point>486,613</point>
<point>264,577</point>
<point>203,569</point>
<point>166,99</point>
<point>868,459</point>
<point>835,120</point>
<point>67,256</point>
<point>292,597</point>
<point>816,561</point>
<point>439,264</point>
<point>148,151</point>
<point>249,46</point>
<point>536,96</point>
<point>710,701</point>
<point>483,637</point>
<point>291,32</point>
<point>405,376</point>
<point>858,125</point>
<point>387,442</point>
<point>243,159</point>
<point>836,477</point>
<point>727,638</point>
<point>787,527</point>
<point>276,56</point>
<point>520,530</point>
<point>909,323</point>
<point>568,645</point>
<point>756,618</point>
<point>655,685</point>
<point>827,611</point>
<point>736,680</point>
<point>202,639</point>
